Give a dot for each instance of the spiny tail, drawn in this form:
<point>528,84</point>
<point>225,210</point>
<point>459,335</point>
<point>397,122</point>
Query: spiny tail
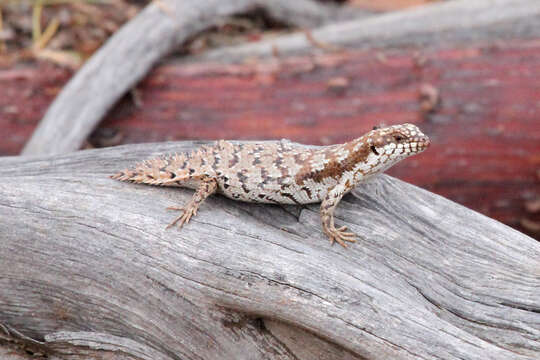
<point>165,171</point>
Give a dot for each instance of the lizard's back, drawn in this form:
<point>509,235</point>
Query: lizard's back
<point>270,172</point>
<point>265,172</point>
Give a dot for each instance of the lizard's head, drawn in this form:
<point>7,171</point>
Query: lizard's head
<point>397,142</point>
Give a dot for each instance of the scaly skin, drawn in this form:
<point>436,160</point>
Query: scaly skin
<point>281,173</point>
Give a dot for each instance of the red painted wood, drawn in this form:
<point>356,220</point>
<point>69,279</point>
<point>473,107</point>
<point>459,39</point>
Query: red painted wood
<point>25,94</point>
<point>485,133</point>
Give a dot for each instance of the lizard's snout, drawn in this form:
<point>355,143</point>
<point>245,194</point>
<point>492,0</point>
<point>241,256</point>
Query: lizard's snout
<point>424,142</point>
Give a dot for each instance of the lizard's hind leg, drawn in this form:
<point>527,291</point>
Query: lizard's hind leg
<point>206,188</point>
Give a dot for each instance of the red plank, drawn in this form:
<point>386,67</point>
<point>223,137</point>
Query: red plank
<point>25,94</point>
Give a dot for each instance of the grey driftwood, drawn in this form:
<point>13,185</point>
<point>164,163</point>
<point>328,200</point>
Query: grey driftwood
<point>133,50</point>
<point>88,270</point>
<point>439,25</point>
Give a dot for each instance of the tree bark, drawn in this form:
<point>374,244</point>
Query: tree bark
<point>87,269</point>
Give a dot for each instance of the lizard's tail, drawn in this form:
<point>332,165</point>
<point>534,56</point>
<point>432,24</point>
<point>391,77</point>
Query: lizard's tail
<point>166,171</point>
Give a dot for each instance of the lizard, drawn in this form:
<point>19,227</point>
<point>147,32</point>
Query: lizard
<point>281,172</point>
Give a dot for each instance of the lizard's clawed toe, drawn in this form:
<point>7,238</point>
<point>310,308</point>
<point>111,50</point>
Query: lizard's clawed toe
<point>182,218</point>
<point>340,236</point>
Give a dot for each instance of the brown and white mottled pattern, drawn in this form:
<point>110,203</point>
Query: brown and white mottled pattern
<point>281,173</point>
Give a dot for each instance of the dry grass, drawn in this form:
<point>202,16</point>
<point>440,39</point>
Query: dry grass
<point>65,32</point>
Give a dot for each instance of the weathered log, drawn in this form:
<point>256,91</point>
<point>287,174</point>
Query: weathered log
<point>135,48</point>
<point>87,267</point>
<point>439,25</point>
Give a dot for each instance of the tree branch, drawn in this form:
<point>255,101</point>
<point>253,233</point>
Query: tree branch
<point>437,25</point>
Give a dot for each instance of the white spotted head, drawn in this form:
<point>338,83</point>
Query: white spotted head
<point>392,144</point>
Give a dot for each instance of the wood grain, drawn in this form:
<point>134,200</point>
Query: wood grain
<point>87,266</point>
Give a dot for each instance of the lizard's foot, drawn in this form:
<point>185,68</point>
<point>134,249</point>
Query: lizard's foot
<point>187,213</point>
<point>340,235</point>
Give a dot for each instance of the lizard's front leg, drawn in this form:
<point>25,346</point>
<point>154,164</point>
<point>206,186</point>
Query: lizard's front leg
<point>205,189</point>
<point>328,205</point>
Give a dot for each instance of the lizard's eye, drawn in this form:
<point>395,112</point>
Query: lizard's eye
<point>398,138</point>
